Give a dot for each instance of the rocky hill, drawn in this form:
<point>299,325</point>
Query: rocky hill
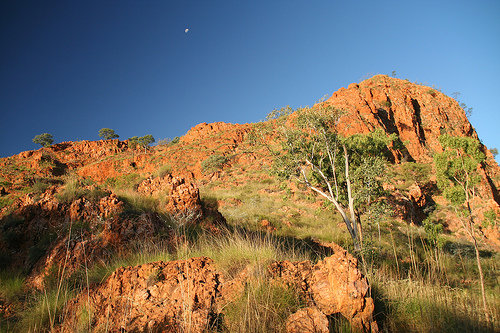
<point>76,207</point>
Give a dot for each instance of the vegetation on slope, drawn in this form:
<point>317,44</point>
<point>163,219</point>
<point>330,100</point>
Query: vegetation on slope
<point>424,277</point>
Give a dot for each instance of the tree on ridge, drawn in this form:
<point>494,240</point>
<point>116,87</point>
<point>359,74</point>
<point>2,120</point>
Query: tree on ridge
<point>108,134</point>
<point>44,139</point>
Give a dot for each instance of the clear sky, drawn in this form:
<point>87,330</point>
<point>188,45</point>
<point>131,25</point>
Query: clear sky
<point>70,68</point>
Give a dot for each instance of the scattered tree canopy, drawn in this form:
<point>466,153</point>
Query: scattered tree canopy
<point>108,133</point>
<point>143,141</point>
<point>44,139</point>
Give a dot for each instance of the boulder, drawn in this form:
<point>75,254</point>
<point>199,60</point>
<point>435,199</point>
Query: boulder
<point>307,320</point>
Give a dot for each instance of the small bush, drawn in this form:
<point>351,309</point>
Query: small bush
<point>76,188</point>
<point>213,163</point>
<point>126,182</point>
<point>137,204</point>
<point>43,311</point>
<point>44,139</point>
<point>263,307</point>
<point>11,286</point>
<point>5,201</point>
<point>164,170</point>
<point>108,134</point>
<point>40,186</point>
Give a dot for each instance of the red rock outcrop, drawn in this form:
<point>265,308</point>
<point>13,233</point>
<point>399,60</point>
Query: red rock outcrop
<point>333,285</point>
<point>182,195</point>
<point>418,114</point>
<point>191,295</point>
<point>157,297</point>
<point>307,320</point>
<point>234,134</point>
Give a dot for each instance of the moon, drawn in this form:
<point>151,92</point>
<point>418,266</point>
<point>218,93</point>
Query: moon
<point>186,30</point>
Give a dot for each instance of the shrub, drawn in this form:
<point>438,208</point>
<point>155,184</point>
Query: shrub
<point>40,186</point>
<point>213,163</point>
<point>164,170</point>
<point>76,188</point>
<point>11,285</point>
<point>125,182</point>
<point>263,307</point>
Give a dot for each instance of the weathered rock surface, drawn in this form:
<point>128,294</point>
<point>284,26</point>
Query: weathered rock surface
<point>182,195</point>
<point>191,295</point>
<point>157,297</point>
<point>333,285</point>
<point>308,320</point>
<point>418,114</point>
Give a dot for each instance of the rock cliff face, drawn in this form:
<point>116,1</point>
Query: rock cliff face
<point>417,114</point>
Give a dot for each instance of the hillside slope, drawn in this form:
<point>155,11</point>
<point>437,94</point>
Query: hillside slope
<point>77,206</point>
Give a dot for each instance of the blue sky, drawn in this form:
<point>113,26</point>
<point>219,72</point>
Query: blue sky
<point>70,68</point>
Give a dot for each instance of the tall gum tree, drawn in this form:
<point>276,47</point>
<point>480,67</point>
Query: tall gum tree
<point>344,171</point>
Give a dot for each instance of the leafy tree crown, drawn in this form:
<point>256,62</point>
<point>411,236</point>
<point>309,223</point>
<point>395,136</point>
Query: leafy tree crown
<point>456,167</point>
<point>44,139</point>
<point>108,133</point>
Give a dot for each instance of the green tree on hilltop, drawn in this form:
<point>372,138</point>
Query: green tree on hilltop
<point>44,139</point>
<point>108,134</point>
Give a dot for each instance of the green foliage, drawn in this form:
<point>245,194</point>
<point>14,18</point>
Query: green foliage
<point>213,163</point>
<point>416,172</point>
<point>143,141</point>
<point>164,170</point>
<point>494,152</point>
<point>314,141</point>
<point>11,285</point>
<point>433,229</point>
<point>44,139</point>
<point>43,310</point>
<point>6,201</point>
<point>490,218</point>
<point>40,185</point>
<point>76,188</point>
<point>456,167</point>
<point>279,113</point>
<point>263,307</point>
<point>314,154</point>
<point>108,134</point>
<point>125,182</point>
<point>137,204</point>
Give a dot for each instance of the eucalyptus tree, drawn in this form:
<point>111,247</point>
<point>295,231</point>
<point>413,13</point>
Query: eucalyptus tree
<point>345,171</point>
<point>458,178</point>
<point>44,139</point>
